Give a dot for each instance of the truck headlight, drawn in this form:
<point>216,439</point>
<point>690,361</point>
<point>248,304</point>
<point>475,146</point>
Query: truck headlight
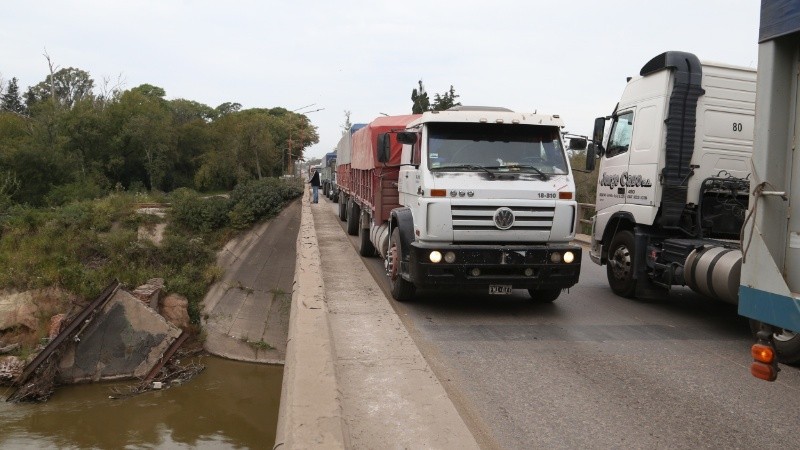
<point>449,257</point>
<point>569,257</point>
<point>555,257</point>
<point>436,256</point>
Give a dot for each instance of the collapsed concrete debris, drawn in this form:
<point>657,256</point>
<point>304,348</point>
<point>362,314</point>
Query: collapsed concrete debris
<point>117,336</point>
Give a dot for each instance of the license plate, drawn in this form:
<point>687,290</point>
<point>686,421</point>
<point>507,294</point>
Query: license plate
<point>500,289</point>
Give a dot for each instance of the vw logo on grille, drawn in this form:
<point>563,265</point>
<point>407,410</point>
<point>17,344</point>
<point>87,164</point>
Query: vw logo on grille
<point>504,218</point>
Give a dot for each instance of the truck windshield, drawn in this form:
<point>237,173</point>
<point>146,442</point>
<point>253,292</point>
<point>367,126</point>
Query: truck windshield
<point>499,147</point>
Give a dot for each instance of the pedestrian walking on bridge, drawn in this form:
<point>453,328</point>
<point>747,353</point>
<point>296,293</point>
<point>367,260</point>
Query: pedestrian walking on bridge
<point>314,181</point>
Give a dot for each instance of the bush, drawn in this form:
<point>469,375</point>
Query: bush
<point>261,199</point>
<point>80,190</point>
<point>192,212</point>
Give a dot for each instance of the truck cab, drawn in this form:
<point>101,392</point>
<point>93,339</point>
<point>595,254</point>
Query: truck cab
<point>487,200</point>
<point>674,176</point>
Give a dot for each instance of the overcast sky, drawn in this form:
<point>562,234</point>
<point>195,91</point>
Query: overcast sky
<point>567,57</point>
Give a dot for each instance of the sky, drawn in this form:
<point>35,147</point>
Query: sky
<point>566,57</point>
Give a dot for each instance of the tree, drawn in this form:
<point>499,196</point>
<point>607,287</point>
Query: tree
<point>440,102</point>
<point>11,100</point>
<point>69,86</point>
<point>184,111</point>
<point>421,102</point>
<point>347,124</point>
<point>445,101</point>
<point>227,108</point>
<point>143,148</point>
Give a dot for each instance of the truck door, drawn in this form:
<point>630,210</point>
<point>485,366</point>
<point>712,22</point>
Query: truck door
<point>610,189</point>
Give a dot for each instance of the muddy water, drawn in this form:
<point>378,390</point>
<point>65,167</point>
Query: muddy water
<point>229,405</point>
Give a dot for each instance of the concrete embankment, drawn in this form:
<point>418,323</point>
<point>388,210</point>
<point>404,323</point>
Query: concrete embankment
<point>353,376</point>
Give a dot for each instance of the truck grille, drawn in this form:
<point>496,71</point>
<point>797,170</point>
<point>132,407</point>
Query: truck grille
<point>481,218</point>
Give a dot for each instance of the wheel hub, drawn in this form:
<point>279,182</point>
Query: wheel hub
<point>783,335</point>
<point>391,262</point>
<point>620,262</point>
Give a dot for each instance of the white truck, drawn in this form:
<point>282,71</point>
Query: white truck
<point>472,197</point>
<point>770,283</point>
<point>674,177</point>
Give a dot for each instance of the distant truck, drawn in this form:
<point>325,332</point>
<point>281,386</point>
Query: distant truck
<point>770,285</point>
<point>472,197</point>
<point>342,152</point>
<point>674,175</point>
<point>328,174</point>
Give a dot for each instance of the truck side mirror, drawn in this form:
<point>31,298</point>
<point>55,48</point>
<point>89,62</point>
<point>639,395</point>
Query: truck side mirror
<point>384,147</point>
<point>590,156</point>
<point>596,148</point>
<point>577,144</point>
<point>406,137</point>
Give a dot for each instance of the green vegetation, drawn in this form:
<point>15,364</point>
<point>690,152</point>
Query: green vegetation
<point>421,102</point>
<point>83,245</point>
<point>74,164</point>
<point>65,142</point>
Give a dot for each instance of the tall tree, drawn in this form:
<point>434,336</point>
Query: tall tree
<point>227,108</point>
<point>421,102</point>
<point>69,86</point>
<point>445,101</point>
<point>11,100</point>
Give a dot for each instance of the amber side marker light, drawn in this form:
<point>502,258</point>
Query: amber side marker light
<point>763,371</point>
<point>763,366</point>
<point>438,192</point>
<point>565,195</point>
<point>763,353</point>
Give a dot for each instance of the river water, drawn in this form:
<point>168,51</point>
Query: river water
<point>229,405</point>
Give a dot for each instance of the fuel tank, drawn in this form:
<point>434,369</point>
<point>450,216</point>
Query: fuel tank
<point>379,236</point>
<point>715,271</point>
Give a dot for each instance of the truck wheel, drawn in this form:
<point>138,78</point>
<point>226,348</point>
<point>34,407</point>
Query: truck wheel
<point>343,209</point>
<point>353,212</point>
<point>401,289</point>
<point>620,264</point>
<point>544,295</point>
<point>787,343</point>
<point>365,247</point>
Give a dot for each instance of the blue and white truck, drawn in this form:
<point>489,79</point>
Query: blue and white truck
<point>770,283</point>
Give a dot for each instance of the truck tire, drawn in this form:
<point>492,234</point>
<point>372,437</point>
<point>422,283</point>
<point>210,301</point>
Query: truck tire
<point>787,343</point>
<point>365,247</point>
<point>401,289</point>
<point>544,295</point>
<point>353,213</point>
<point>343,209</point>
<point>619,269</point>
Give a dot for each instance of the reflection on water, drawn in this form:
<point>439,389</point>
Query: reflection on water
<point>229,405</point>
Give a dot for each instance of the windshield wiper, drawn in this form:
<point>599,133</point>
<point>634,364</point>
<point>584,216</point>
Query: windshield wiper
<point>541,174</point>
<point>469,166</point>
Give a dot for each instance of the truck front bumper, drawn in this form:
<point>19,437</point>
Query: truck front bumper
<point>521,266</point>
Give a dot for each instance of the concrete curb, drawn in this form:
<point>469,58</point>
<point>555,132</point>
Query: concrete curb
<point>310,414</point>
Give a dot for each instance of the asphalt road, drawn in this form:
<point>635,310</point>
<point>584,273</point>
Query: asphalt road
<point>594,370</point>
